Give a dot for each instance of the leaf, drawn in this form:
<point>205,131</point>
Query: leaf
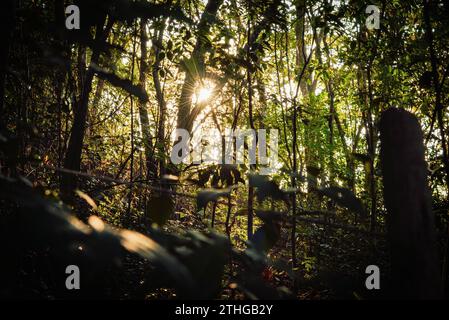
<point>47,218</point>
<point>207,195</point>
<point>53,225</point>
<point>345,198</point>
<point>282,265</point>
<point>266,237</point>
<point>170,177</point>
<point>230,175</point>
<point>203,177</point>
<point>87,198</point>
<point>160,208</point>
<point>152,251</point>
<point>269,233</point>
<point>206,260</point>
<point>265,188</point>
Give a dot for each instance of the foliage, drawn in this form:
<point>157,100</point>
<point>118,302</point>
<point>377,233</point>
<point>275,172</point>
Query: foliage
<point>87,119</point>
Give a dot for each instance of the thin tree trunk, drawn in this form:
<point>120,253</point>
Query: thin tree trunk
<point>73,155</point>
<point>160,142</point>
<point>143,111</point>
<point>131,165</point>
<point>250,115</point>
<point>300,63</point>
<point>371,139</point>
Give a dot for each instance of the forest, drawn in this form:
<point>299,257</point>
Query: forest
<point>224,149</point>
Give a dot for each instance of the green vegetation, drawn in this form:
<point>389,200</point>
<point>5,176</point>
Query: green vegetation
<point>86,131</point>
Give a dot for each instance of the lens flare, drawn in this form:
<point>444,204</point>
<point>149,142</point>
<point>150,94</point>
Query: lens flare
<point>204,94</point>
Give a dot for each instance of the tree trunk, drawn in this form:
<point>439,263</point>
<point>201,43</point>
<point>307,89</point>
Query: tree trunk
<point>160,142</point>
<point>410,220</point>
<point>143,112</point>
<point>72,159</point>
<point>250,117</point>
<point>185,118</point>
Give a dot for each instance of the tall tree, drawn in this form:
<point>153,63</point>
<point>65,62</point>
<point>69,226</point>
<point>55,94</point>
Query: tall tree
<point>156,72</point>
<point>185,118</point>
<point>73,155</point>
<point>143,111</point>
<point>411,228</point>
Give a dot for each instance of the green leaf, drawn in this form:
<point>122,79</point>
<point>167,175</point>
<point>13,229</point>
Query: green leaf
<point>160,208</point>
<point>207,195</point>
<point>206,260</point>
<point>345,198</point>
<point>266,188</point>
<point>47,224</point>
<point>266,237</point>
